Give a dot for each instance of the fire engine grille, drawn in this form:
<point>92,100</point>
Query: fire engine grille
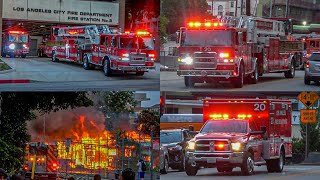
<point>211,145</point>
<point>137,59</point>
<point>205,60</point>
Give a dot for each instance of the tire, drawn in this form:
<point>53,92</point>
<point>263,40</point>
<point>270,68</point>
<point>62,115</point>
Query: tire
<point>255,78</point>
<point>189,81</point>
<point>54,57</point>
<point>191,171</point>
<point>224,169</point>
<point>3,55</point>
<point>307,81</point>
<point>140,73</point>
<point>85,62</point>
<point>183,164</point>
<point>270,166</point>
<point>11,55</point>
<point>239,81</point>
<point>279,163</point>
<point>106,68</point>
<point>291,73</point>
<point>23,55</point>
<point>247,167</point>
<point>166,166</point>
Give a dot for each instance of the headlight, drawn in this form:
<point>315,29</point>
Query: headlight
<point>12,46</point>
<point>236,146</point>
<point>25,46</point>
<point>191,145</point>
<point>187,60</point>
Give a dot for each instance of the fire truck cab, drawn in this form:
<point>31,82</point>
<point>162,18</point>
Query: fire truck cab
<point>15,43</point>
<point>43,158</point>
<point>242,133</point>
<point>218,50</point>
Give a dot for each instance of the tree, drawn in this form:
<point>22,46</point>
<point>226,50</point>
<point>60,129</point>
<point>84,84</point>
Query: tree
<point>163,28</point>
<point>149,121</point>
<point>178,12</point>
<point>18,108</point>
<point>116,105</point>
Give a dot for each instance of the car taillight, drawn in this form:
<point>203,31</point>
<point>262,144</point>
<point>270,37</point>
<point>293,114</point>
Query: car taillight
<point>307,64</point>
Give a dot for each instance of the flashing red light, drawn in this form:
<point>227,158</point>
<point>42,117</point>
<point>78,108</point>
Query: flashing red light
<point>220,24</point>
<point>219,116</point>
<point>215,24</point>
<point>25,168</point>
<point>191,24</point>
<point>143,33</point>
<point>307,64</point>
<point>207,24</point>
<point>127,32</point>
<point>197,24</point>
<point>224,55</point>
<point>125,55</point>
<point>220,146</point>
<point>243,116</point>
<point>152,55</point>
<point>54,165</point>
<point>16,32</point>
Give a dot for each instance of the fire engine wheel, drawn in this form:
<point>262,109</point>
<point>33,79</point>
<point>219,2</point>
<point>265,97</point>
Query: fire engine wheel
<point>291,73</point>
<point>279,163</point>
<point>224,169</point>
<point>254,77</point>
<point>165,166</point>
<point>190,170</point>
<point>239,81</point>
<point>248,165</point>
<point>106,68</point>
<point>189,81</point>
<point>270,167</point>
<point>85,62</point>
<point>54,57</point>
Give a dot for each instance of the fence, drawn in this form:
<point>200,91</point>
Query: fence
<point>169,58</point>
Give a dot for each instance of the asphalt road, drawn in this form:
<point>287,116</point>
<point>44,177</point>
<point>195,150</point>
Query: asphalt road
<point>295,172</point>
<point>269,82</point>
<point>46,75</point>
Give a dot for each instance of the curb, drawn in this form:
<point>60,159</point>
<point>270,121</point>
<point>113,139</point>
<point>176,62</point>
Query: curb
<point>7,71</point>
<point>168,69</point>
<point>20,81</point>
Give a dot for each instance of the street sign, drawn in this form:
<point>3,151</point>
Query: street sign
<point>308,115</point>
<point>308,98</point>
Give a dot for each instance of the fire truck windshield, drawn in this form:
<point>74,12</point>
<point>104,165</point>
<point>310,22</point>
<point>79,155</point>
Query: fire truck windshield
<point>22,38</point>
<point>128,42</point>
<point>225,126</point>
<point>146,43</point>
<point>206,38</point>
<point>167,137</point>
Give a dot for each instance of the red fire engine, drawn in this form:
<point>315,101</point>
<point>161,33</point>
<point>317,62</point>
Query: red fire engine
<point>44,158</point>
<point>215,51</point>
<point>97,46</point>
<point>15,43</point>
<point>242,133</point>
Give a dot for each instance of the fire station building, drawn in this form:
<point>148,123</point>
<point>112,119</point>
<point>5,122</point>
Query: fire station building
<point>38,16</point>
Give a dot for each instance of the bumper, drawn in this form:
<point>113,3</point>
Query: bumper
<point>18,52</point>
<point>136,68</point>
<point>208,73</point>
<point>233,159</point>
<point>312,76</point>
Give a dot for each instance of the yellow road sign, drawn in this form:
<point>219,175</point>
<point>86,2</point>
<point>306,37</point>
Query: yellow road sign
<point>308,115</point>
<point>308,98</point>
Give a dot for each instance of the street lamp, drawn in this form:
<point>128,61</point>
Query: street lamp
<point>304,23</point>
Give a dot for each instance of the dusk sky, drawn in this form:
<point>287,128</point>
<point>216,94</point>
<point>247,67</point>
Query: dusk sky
<point>154,98</point>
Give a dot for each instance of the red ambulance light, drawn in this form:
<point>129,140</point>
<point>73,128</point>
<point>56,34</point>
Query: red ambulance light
<point>54,164</point>
<point>224,55</point>
<point>207,24</point>
<point>220,146</point>
<point>215,24</point>
<point>219,116</point>
<point>143,33</point>
<point>220,24</point>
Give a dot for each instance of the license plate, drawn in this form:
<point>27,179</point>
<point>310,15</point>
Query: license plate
<point>210,160</point>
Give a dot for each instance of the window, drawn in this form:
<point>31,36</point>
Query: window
<point>220,10</point>
<point>172,110</point>
<point>231,13</point>
<point>232,4</point>
<point>197,111</point>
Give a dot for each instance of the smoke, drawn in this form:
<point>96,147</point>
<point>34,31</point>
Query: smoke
<point>73,123</point>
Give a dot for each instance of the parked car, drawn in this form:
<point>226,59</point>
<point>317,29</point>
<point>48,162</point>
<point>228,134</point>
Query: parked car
<point>164,160</point>
<point>175,140</point>
<point>312,70</point>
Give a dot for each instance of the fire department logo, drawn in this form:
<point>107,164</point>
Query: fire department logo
<point>206,49</point>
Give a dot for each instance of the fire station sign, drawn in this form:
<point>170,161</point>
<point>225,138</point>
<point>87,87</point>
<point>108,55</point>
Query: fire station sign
<point>308,98</point>
<point>64,11</point>
<point>308,115</point>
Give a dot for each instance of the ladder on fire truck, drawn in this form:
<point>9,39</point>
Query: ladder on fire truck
<point>90,32</point>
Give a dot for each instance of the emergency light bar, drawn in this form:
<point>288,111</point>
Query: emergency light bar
<point>205,25</point>
<point>226,116</point>
<point>17,32</point>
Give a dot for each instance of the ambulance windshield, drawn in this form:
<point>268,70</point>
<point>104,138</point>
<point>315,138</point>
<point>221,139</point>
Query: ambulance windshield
<point>206,38</point>
<point>225,126</point>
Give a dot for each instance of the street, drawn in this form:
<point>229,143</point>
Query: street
<point>46,75</point>
<point>294,172</point>
<point>269,82</point>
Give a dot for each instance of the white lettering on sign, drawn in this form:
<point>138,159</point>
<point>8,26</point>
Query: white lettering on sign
<point>68,11</point>
<point>278,121</point>
<point>281,112</point>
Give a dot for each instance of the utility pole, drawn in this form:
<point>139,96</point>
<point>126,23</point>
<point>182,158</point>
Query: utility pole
<point>241,8</point>
<point>287,8</point>
<point>270,15</point>
<point>236,11</point>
